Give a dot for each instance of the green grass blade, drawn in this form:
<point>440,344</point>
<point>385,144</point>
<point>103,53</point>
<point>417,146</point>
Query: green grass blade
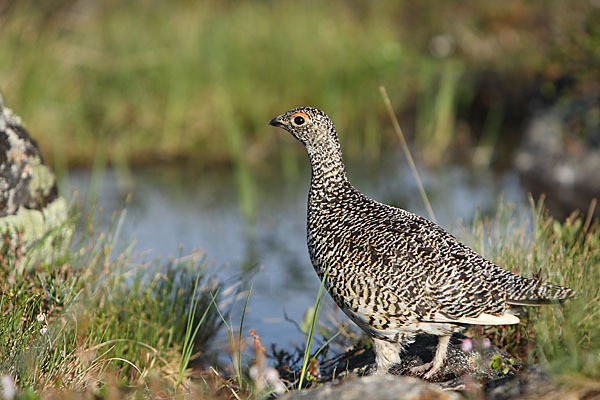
<point>188,344</point>
<point>239,361</point>
<point>311,331</point>
<point>326,343</point>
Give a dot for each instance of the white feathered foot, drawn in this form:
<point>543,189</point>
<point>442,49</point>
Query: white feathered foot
<point>438,360</point>
<point>387,354</point>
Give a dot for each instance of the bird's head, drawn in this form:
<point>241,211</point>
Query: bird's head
<point>310,126</point>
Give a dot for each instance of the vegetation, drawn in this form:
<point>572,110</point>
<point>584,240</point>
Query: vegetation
<point>140,81</point>
<point>137,82</point>
<point>563,338</point>
<point>93,319</point>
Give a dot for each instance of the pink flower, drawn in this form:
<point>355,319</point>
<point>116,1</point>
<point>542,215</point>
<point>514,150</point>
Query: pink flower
<point>466,345</point>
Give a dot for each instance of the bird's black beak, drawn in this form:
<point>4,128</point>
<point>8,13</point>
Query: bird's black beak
<point>275,122</point>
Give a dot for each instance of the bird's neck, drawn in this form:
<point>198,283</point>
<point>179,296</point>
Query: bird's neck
<point>328,172</point>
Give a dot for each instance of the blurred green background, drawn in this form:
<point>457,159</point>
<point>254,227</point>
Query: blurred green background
<point>144,82</point>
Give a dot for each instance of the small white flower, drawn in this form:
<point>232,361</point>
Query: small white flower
<point>44,329</point>
<point>253,372</point>
<point>268,378</point>
<point>271,376</point>
<point>41,317</point>
<point>278,387</point>
<point>9,390</point>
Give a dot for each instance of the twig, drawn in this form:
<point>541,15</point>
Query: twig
<point>590,214</point>
<point>409,158</point>
<point>288,319</point>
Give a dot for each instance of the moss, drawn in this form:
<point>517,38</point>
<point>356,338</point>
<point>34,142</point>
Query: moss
<point>42,179</point>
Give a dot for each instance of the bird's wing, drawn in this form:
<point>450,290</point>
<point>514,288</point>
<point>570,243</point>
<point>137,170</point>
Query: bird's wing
<point>446,280</point>
<point>430,272</point>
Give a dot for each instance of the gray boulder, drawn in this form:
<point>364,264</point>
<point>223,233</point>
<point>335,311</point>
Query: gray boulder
<point>25,180</point>
<point>375,387</point>
<point>32,214</point>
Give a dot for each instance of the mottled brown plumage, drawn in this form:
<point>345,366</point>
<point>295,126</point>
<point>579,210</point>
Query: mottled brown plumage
<point>394,273</point>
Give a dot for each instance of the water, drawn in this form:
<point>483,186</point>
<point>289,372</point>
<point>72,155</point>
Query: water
<point>174,211</point>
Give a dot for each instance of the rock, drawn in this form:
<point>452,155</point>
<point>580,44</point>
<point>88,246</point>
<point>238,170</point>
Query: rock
<point>560,154</point>
<point>25,180</point>
<point>374,387</point>
<point>31,212</point>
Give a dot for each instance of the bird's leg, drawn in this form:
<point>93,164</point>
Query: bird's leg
<point>386,355</point>
<point>440,356</point>
<point>438,360</point>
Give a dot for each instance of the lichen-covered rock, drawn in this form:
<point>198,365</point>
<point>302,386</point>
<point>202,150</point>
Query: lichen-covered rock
<point>31,212</point>
<point>25,180</point>
<point>375,387</point>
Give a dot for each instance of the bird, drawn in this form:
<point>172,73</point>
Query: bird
<point>392,272</point>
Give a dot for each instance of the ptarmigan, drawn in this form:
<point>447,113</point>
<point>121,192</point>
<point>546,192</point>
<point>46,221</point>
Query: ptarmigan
<point>394,273</point>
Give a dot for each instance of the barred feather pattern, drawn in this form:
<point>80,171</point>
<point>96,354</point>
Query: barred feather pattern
<point>393,272</point>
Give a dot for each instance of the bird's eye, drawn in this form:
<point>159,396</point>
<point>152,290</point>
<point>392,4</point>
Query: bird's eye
<point>299,118</point>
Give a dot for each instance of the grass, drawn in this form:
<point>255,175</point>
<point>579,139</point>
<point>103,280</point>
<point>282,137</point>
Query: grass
<point>191,332</point>
<point>95,319</point>
<point>312,329</point>
<point>565,338</point>
<point>170,80</point>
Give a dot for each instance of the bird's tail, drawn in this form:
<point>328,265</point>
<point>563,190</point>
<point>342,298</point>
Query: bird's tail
<point>527,291</point>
